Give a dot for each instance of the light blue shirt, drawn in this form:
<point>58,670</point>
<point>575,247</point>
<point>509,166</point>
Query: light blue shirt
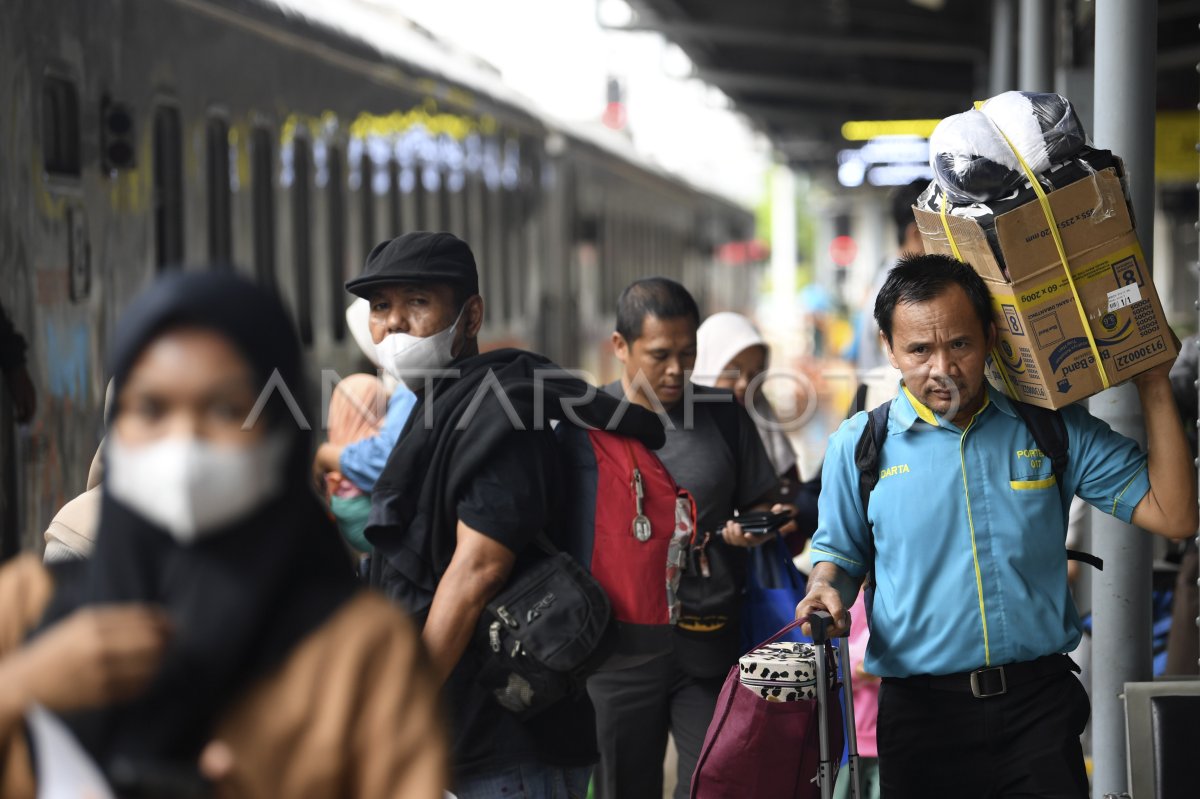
<point>969,532</point>
<point>362,462</point>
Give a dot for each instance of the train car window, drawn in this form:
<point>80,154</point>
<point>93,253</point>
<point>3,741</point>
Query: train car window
<point>302,235</point>
<point>421,200</point>
<point>220,238</point>
<point>518,276</point>
<point>60,127</point>
<point>336,205</point>
<point>262,166</point>
<point>395,209</point>
<point>484,256</point>
<point>366,208</point>
<point>473,223</point>
<point>168,187</point>
<point>497,221</point>
<point>444,200</point>
<point>604,246</point>
<point>456,221</point>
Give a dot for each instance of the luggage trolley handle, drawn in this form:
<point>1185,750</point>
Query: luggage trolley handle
<point>820,623</point>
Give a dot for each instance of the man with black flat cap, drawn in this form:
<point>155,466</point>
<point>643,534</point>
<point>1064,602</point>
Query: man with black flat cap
<point>425,305</point>
<point>464,493</point>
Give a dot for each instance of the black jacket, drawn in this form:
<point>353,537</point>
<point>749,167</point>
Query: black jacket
<point>413,507</point>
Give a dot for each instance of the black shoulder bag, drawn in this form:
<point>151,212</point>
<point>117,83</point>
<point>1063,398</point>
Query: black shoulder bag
<point>548,629</point>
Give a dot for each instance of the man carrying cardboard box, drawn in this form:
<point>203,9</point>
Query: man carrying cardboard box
<point>971,612</point>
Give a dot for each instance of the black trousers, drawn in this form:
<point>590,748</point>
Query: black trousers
<point>634,710</point>
<point>936,744</point>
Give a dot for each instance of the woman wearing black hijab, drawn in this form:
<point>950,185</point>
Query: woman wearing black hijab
<point>242,622</point>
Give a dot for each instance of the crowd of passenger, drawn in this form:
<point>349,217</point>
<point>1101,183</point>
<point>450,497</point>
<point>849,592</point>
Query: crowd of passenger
<point>224,613</point>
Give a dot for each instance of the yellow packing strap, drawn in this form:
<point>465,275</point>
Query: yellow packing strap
<point>996,359</point>
<point>1062,252</point>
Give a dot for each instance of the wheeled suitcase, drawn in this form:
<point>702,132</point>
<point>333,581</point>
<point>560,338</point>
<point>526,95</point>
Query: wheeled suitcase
<point>774,734</point>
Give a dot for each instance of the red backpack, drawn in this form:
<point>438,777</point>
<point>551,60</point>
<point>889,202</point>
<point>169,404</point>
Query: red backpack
<point>636,557</point>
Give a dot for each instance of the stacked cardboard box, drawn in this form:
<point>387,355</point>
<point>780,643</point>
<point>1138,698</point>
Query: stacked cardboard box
<point>1045,355</point>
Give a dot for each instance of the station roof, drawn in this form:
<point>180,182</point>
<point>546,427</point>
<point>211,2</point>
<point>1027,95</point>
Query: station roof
<point>801,68</point>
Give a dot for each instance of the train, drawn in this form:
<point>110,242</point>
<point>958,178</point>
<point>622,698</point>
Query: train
<point>141,136</point>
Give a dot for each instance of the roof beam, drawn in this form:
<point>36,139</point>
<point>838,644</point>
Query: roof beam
<point>832,45</point>
<point>731,81</point>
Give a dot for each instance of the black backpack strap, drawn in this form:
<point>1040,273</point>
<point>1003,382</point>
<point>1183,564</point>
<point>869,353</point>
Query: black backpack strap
<point>1086,557</point>
<point>1049,432</point>
<point>866,460</point>
<point>867,452</point>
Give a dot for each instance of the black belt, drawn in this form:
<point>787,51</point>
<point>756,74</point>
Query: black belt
<point>993,681</point>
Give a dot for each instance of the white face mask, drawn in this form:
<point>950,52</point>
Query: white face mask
<point>193,488</point>
<point>400,353</point>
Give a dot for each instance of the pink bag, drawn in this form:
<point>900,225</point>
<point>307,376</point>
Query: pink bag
<point>766,748</point>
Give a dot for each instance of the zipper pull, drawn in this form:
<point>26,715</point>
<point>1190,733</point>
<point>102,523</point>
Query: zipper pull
<point>507,617</point>
<point>641,524</point>
<point>494,635</point>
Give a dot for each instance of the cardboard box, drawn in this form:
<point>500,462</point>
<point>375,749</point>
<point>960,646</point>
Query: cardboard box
<point>1047,358</point>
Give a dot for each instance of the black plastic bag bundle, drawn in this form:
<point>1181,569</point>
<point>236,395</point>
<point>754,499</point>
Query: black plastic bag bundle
<point>972,154</point>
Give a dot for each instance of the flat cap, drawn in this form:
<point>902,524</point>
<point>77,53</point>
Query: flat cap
<point>419,257</point>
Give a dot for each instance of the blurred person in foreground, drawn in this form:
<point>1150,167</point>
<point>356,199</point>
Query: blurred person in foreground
<point>217,627</point>
<point>964,538</point>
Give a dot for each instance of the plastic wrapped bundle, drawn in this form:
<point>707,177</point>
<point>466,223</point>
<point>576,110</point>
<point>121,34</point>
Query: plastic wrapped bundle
<point>1041,126</point>
<point>972,159</point>
<point>1085,162</point>
<point>971,162</point>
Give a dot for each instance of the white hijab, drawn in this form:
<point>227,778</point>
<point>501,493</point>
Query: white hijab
<point>358,322</point>
<point>719,340</point>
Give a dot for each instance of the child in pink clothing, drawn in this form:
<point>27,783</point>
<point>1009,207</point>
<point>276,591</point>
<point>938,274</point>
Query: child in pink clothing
<point>866,710</point>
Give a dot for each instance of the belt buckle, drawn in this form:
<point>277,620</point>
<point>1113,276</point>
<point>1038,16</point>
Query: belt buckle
<point>979,692</point>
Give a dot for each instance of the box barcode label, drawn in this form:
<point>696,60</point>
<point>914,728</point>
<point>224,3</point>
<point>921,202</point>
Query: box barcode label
<point>1124,296</point>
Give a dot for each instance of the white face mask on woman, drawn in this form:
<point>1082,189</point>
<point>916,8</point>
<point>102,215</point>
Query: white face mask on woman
<point>192,488</point>
<point>405,357</point>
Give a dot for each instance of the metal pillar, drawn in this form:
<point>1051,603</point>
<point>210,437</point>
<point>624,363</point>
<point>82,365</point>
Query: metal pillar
<point>1124,108</point>
<point>1037,46</point>
<point>1197,421</point>
<point>1002,75</point>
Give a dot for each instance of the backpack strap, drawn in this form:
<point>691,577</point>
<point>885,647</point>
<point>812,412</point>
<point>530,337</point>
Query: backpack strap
<point>866,460</point>
<point>1050,434</point>
<point>1086,557</point>
<point>867,453</point>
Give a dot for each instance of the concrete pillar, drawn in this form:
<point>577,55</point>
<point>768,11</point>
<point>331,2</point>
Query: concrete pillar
<point>1037,46</point>
<point>1002,73</point>
<point>783,264</point>
<point>1124,109</point>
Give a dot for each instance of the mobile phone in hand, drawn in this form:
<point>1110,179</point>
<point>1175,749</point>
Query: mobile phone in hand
<point>763,522</point>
